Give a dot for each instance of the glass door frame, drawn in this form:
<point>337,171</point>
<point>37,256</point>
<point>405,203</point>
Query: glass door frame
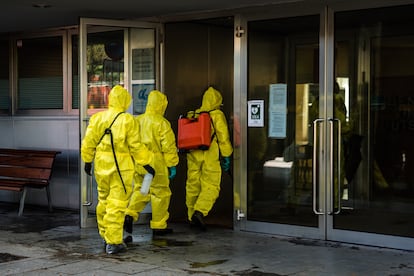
<point>85,192</point>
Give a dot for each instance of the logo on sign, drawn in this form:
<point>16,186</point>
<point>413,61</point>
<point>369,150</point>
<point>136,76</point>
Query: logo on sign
<point>255,112</point>
<point>143,94</point>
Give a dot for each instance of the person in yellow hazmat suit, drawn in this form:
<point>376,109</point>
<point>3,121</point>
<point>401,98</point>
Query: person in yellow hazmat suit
<point>203,166</point>
<point>157,135</point>
<point>112,142</point>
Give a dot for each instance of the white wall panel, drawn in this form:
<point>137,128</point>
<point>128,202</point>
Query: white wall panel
<point>38,133</point>
<point>47,133</point>
<point>7,134</point>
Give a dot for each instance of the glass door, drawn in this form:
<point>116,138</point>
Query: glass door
<point>374,100</point>
<point>283,99</point>
<point>113,52</point>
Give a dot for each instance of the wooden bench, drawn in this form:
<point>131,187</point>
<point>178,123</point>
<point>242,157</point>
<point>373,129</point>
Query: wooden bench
<point>21,169</point>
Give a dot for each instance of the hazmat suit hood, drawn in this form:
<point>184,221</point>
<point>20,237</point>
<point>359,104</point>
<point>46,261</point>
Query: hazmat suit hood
<point>119,99</point>
<point>212,99</point>
<point>157,103</point>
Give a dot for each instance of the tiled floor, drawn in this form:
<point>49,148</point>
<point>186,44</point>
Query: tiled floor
<point>40,243</point>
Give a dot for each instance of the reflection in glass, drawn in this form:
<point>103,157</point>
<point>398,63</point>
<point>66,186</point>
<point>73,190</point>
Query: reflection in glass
<point>4,75</point>
<point>282,51</point>
<point>75,73</point>
<point>143,67</point>
<point>40,73</point>
<point>374,52</point>
<point>105,66</point>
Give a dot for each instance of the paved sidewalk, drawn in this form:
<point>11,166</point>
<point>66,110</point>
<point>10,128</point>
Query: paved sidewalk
<point>39,244</point>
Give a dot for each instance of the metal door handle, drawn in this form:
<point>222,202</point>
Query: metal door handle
<point>314,166</point>
<point>331,123</point>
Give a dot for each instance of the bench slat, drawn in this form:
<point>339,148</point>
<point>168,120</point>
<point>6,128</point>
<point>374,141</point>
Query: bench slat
<point>12,185</point>
<point>29,161</point>
<point>25,152</point>
<point>35,183</point>
<point>12,188</point>
<point>12,182</point>
<point>21,172</point>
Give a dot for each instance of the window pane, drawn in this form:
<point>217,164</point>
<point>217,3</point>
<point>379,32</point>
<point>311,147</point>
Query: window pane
<point>40,76</point>
<point>4,75</point>
<point>143,67</point>
<point>105,58</point>
<point>75,74</point>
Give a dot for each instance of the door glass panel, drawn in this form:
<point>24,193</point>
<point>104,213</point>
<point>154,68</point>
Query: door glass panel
<point>105,69</point>
<point>283,74</point>
<point>105,66</point>
<point>143,66</point>
<point>374,55</point>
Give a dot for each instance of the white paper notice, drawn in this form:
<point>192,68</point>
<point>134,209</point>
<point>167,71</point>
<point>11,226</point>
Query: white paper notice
<point>277,110</point>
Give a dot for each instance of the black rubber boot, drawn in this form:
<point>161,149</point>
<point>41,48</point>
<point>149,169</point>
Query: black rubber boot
<point>128,226</point>
<point>198,219</point>
<point>115,248</point>
<point>128,239</point>
<point>161,232</point>
<point>104,244</point>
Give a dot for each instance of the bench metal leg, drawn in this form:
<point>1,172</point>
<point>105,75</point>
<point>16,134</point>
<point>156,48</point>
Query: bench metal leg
<point>22,199</point>
<point>49,199</point>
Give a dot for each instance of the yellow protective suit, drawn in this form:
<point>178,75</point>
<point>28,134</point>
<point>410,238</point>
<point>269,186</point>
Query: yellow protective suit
<point>113,197</point>
<point>157,135</point>
<point>204,170</point>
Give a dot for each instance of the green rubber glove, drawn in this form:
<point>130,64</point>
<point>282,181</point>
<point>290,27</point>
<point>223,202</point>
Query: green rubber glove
<point>172,172</point>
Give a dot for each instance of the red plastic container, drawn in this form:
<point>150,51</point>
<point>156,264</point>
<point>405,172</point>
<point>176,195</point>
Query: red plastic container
<point>194,133</point>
